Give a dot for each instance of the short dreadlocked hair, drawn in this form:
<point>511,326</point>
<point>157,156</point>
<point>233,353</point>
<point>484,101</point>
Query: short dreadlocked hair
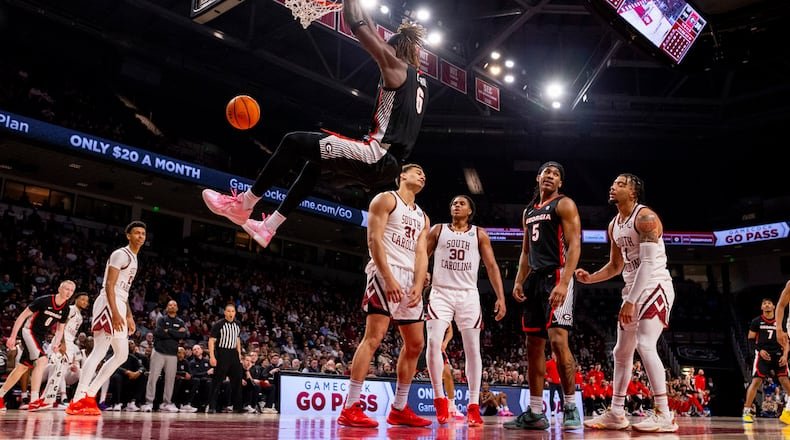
<point>638,184</point>
<point>407,42</point>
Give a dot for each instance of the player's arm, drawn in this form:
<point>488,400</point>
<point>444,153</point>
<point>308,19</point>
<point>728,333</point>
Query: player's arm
<point>433,238</point>
<point>380,208</point>
<point>781,306</point>
<point>58,338</point>
<point>523,264</point>
<point>420,264</point>
<point>650,230</point>
<point>612,268</point>
<point>130,325</point>
<point>109,287</point>
<point>364,28</point>
<point>492,269</point>
<point>751,339</point>
<point>572,230</point>
<point>11,342</point>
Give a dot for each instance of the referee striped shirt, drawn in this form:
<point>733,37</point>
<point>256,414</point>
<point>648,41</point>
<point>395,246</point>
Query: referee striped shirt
<point>226,333</point>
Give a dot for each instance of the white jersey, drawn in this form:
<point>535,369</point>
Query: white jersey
<point>456,259</point>
<point>72,327</point>
<point>404,225</point>
<point>626,237</point>
<point>125,261</point>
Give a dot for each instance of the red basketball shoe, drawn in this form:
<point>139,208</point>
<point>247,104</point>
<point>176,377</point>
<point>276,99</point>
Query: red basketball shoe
<point>442,412</point>
<point>473,415</point>
<point>355,416</point>
<point>406,417</point>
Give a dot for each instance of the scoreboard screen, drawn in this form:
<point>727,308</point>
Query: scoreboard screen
<point>670,25</point>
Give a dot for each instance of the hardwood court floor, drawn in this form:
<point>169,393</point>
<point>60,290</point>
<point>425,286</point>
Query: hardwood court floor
<point>121,425</point>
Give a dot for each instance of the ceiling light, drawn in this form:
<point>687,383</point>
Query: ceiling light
<point>554,90</point>
<point>495,55</point>
<point>82,184</point>
<point>509,78</point>
<point>6,166</point>
<point>495,69</point>
<point>384,9</point>
<point>423,14</point>
<point>556,105</point>
<point>219,35</point>
<point>434,38</point>
<point>509,64</point>
<point>76,166</point>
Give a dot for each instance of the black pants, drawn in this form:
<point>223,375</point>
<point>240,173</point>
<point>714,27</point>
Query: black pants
<point>555,388</point>
<point>228,365</point>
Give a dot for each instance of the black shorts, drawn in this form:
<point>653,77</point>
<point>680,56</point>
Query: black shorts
<point>32,347</point>
<point>537,315</point>
<point>488,410</point>
<point>762,368</point>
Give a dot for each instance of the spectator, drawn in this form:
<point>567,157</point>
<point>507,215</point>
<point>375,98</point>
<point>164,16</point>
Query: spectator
<point>169,330</point>
<point>186,387</point>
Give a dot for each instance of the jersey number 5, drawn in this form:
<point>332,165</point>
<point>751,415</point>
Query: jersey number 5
<point>535,235</point>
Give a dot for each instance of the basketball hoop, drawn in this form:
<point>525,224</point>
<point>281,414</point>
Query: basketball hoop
<point>307,11</point>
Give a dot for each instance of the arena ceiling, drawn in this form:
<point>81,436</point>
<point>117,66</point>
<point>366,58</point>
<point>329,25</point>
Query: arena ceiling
<point>701,133</point>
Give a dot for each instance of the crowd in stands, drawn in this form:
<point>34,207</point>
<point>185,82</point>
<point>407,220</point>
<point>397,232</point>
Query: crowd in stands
<point>290,322</point>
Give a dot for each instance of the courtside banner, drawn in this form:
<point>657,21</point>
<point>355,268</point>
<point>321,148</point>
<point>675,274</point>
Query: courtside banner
<point>66,139</point>
<point>306,395</point>
<point>752,234</point>
<point>310,395</point>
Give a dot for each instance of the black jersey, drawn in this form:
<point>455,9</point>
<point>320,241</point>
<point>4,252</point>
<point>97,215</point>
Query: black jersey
<point>46,313</point>
<point>397,117</point>
<point>543,227</point>
<point>766,334</point>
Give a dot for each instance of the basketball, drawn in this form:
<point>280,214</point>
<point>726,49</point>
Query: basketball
<point>243,112</point>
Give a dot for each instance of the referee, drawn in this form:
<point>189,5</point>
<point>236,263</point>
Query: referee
<point>224,350</point>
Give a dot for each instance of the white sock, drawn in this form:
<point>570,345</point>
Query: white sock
<point>354,390</point>
<point>662,404</point>
<point>248,199</point>
<point>401,395</point>
<point>433,354</point>
<point>274,221</point>
<point>536,404</point>
<point>33,396</point>
<point>618,405</point>
<point>570,400</point>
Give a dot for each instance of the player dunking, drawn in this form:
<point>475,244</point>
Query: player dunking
<point>549,254</point>
<point>637,251</point>
<point>112,322</point>
<point>770,357</point>
<point>458,248</point>
<point>34,323</point>
<point>56,382</point>
<point>372,162</point>
<point>398,242</point>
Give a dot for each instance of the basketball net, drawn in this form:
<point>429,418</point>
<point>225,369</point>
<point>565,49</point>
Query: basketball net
<point>307,11</point>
